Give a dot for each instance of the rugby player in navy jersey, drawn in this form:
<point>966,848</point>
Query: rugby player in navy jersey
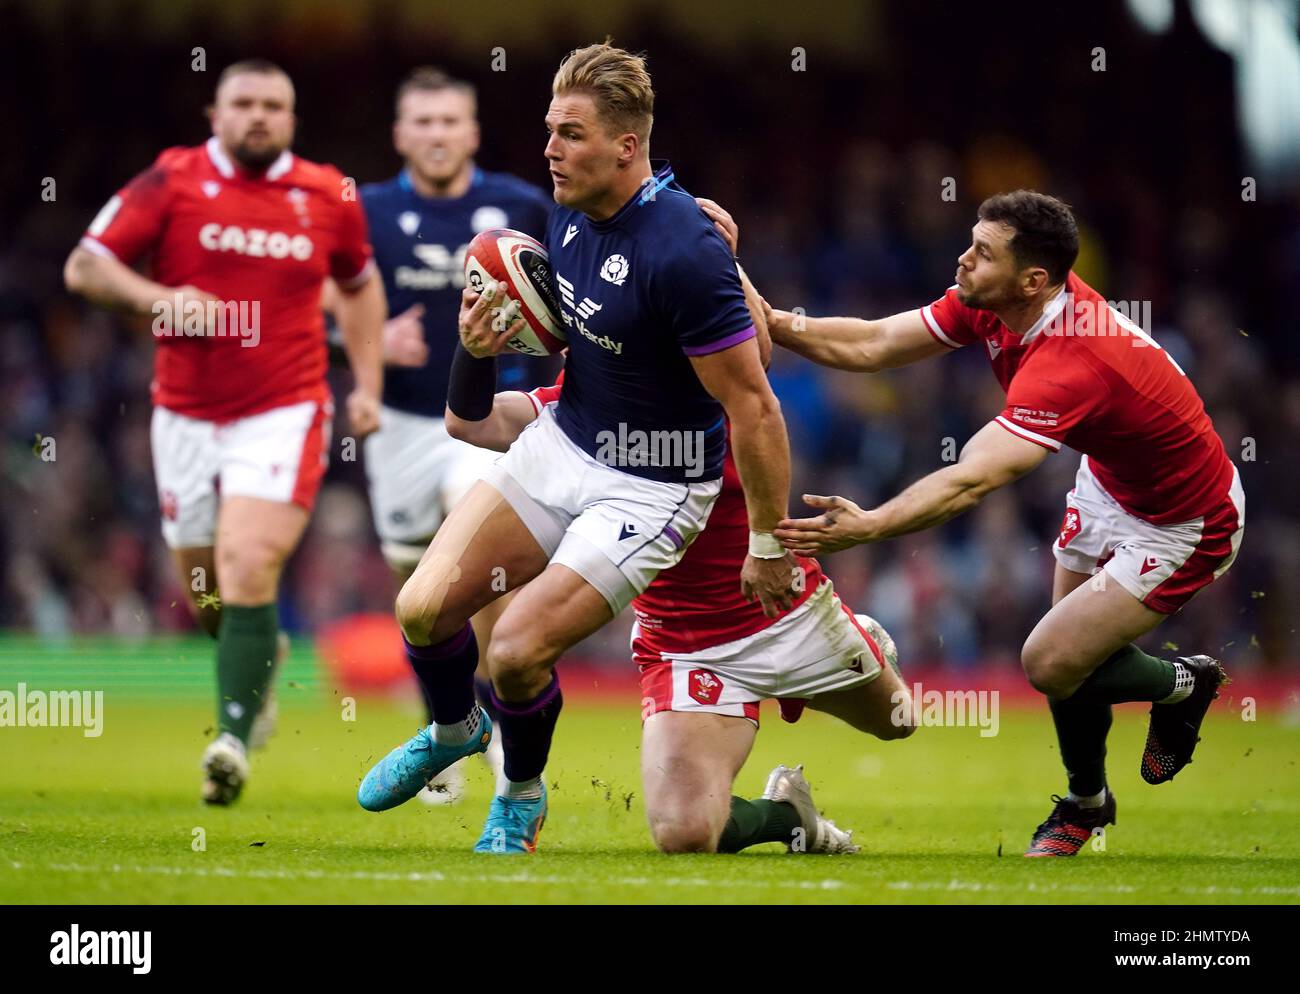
<point>610,484</point>
<point>421,222</point>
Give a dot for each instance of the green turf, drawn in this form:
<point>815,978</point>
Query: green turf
<point>112,819</point>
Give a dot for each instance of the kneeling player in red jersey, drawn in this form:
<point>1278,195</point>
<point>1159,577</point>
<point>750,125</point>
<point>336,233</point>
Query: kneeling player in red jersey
<point>708,656</point>
<point>1156,513</point>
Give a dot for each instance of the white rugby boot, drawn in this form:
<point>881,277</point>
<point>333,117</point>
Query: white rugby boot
<point>225,769</point>
<point>820,835</point>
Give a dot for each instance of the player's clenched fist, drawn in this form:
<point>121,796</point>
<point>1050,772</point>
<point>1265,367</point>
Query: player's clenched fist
<point>771,581</point>
<point>175,310</point>
<point>363,412</point>
<point>488,320</point>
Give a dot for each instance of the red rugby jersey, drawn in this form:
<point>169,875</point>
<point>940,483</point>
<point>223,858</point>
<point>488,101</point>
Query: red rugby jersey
<point>697,604</point>
<point>1086,376</point>
<point>262,243</point>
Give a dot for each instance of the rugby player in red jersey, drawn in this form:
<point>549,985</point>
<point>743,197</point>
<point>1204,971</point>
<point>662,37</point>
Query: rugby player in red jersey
<point>242,234</point>
<point>1156,513</point>
<point>708,656</point>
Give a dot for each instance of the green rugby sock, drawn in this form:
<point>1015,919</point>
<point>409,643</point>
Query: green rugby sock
<point>1081,728</point>
<point>245,654</point>
<point>1128,675</point>
<point>755,822</point>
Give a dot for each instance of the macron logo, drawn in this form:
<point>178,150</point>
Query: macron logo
<point>77,948</point>
<point>570,234</point>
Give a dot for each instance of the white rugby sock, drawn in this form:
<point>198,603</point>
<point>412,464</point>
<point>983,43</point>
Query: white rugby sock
<point>1088,801</point>
<point>457,733</point>
<point>1184,681</point>
<point>523,790</point>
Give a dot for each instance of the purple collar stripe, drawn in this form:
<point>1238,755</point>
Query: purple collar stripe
<point>722,343</point>
<point>672,533</point>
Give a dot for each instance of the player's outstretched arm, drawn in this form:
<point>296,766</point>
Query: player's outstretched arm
<point>852,343</point>
<point>735,377</point>
<point>991,459</point>
<point>754,302</point>
<point>360,314</point>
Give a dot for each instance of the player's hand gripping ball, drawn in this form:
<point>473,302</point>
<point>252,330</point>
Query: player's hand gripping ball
<point>509,301</point>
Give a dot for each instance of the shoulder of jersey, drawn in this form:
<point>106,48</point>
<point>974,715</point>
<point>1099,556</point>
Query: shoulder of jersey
<point>181,157</point>
<point>678,210</point>
<point>682,205</point>
<point>380,189</point>
<point>319,174</point>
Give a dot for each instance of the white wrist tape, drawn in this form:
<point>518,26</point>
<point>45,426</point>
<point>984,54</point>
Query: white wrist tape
<point>764,545</point>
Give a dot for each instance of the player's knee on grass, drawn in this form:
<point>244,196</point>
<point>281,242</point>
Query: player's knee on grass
<point>683,833</point>
<point>686,805</point>
<point>902,722</point>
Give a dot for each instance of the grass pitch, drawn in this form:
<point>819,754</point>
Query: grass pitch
<point>116,819</point>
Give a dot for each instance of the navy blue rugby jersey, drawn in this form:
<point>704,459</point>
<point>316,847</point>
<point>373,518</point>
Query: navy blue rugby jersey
<point>639,294</point>
<point>419,246</point>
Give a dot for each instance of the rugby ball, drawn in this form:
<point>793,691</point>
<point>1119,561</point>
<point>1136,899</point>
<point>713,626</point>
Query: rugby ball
<point>503,254</point>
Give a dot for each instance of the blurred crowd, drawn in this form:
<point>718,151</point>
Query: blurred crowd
<point>855,185</point>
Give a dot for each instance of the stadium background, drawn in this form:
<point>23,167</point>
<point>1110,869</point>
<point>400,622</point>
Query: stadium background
<point>835,175</point>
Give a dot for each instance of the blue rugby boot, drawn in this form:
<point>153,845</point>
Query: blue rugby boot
<point>401,774</point>
<point>513,825</point>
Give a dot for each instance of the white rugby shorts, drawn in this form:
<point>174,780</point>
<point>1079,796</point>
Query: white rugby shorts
<point>277,455</point>
<point>1163,566</point>
<point>417,473</point>
<point>818,648</point>
<point>617,531</point>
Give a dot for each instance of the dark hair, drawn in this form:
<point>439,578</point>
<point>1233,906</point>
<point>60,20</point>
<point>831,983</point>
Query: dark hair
<point>427,79</point>
<point>256,65</point>
<point>1046,234</point>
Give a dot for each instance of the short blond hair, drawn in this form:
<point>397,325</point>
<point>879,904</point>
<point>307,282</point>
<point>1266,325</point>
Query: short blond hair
<point>618,82</point>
